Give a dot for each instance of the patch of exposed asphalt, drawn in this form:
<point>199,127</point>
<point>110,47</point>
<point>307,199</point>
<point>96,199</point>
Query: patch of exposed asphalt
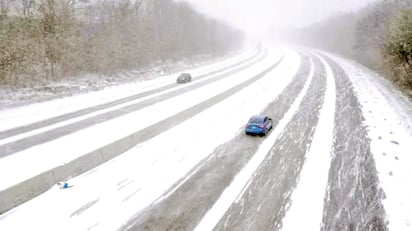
<point>30,141</point>
<point>267,197</point>
<point>353,198</point>
<point>186,206</point>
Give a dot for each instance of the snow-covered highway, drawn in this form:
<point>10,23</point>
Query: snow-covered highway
<point>338,158</point>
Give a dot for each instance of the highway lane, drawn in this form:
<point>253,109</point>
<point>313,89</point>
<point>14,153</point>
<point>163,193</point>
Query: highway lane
<point>270,188</point>
<point>354,197</point>
<point>9,132</point>
<point>159,94</point>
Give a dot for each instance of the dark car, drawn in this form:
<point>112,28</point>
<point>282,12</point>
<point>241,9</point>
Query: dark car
<point>184,78</point>
<point>258,125</point>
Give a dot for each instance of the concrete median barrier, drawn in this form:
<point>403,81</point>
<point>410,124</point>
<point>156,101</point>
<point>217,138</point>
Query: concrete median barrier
<point>26,190</point>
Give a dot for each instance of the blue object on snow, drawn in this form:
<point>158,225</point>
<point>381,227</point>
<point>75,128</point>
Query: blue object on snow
<point>64,185</point>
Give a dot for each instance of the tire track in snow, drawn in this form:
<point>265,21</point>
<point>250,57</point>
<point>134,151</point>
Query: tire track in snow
<point>266,197</point>
<point>388,117</point>
<point>353,197</point>
<point>188,203</point>
<point>307,198</point>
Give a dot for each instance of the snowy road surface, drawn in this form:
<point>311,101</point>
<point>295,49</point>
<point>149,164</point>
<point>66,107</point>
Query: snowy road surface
<point>338,157</point>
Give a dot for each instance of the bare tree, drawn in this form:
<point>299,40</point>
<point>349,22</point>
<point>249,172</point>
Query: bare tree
<point>50,39</point>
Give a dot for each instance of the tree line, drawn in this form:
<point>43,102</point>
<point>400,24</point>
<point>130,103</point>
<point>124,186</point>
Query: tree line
<point>378,36</point>
<point>43,40</point>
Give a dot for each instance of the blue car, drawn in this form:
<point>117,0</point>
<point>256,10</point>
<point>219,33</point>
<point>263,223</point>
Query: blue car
<point>258,125</point>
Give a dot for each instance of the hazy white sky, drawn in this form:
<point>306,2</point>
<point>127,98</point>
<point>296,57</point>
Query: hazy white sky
<point>255,15</point>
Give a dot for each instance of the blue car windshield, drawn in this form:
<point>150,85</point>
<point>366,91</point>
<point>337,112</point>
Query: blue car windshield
<point>256,120</point>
